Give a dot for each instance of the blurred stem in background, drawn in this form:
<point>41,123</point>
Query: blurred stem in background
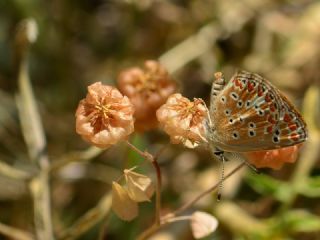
<point>32,129</point>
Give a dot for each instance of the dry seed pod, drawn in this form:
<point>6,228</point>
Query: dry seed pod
<point>123,206</point>
<point>202,224</point>
<point>183,120</point>
<point>105,116</point>
<point>140,187</point>
<point>147,89</point>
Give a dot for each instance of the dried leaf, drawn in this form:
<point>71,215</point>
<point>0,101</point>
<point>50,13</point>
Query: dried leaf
<point>123,206</point>
<point>140,187</point>
<point>202,224</point>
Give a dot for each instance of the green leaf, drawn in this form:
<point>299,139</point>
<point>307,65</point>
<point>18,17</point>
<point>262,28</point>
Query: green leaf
<point>266,185</point>
<point>133,157</point>
<point>301,221</point>
<point>311,188</point>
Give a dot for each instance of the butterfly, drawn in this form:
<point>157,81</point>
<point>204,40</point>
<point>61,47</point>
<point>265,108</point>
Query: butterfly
<point>250,114</point>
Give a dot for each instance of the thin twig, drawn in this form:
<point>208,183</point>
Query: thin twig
<point>156,166</point>
<point>14,173</point>
<point>33,130</point>
<point>201,195</point>
<point>151,158</point>
<point>89,219</point>
<point>76,156</point>
<point>310,152</point>
<point>168,218</point>
<point>14,233</point>
<point>158,192</point>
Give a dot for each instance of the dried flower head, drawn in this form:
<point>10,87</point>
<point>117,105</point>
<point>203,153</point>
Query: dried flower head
<point>183,120</point>
<point>140,187</point>
<point>105,116</point>
<point>147,89</point>
<point>273,158</point>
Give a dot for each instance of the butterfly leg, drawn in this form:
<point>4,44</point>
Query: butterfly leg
<point>240,157</point>
<point>251,166</point>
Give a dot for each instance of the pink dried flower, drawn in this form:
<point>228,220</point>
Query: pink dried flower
<point>273,158</point>
<point>183,120</point>
<point>147,89</point>
<point>105,116</point>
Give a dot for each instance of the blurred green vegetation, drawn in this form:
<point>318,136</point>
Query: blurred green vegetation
<point>84,41</point>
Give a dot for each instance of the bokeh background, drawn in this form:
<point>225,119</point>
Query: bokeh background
<point>84,41</point>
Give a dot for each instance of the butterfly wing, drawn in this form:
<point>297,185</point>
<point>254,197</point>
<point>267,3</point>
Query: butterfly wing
<point>249,114</point>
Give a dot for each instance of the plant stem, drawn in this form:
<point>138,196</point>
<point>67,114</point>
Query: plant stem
<point>153,160</point>
<point>33,131</point>
<point>209,190</point>
<point>158,192</point>
<point>172,216</point>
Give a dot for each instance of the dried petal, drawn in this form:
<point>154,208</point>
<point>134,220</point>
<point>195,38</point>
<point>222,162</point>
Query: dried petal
<point>183,120</point>
<point>202,224</point>
<point>105,116</point>
<point>147,89</point>
<point>123,206</point>
<point>140,187</point>
<point>273,158</point>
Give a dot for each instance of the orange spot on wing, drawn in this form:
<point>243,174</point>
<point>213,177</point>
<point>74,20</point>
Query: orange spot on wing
<point>238,83</point>
<point>287,118</point>
<point>272,108</point>
<point>260,91</point>
<point>293,127</point>
<point>271,120</point>
<point>294,136</point>
<point>267,98</point>
<point>250,86</point>
<point>269,129</point>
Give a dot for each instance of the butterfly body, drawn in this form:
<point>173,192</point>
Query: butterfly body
<point>250,114</point>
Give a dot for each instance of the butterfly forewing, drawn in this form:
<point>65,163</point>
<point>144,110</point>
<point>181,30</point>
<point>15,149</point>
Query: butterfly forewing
<point>249,114</point>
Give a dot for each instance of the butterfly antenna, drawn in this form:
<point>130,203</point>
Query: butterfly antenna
<point>221,178</point>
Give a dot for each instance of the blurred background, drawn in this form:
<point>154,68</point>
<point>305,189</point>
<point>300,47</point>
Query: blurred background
<point>85,41</point>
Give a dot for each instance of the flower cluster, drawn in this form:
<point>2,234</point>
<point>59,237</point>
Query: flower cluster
<point>273,158</point>
<point>105,116</point>
<point>147,89</point>
<point>138,188</point>
<point>183,120</point>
